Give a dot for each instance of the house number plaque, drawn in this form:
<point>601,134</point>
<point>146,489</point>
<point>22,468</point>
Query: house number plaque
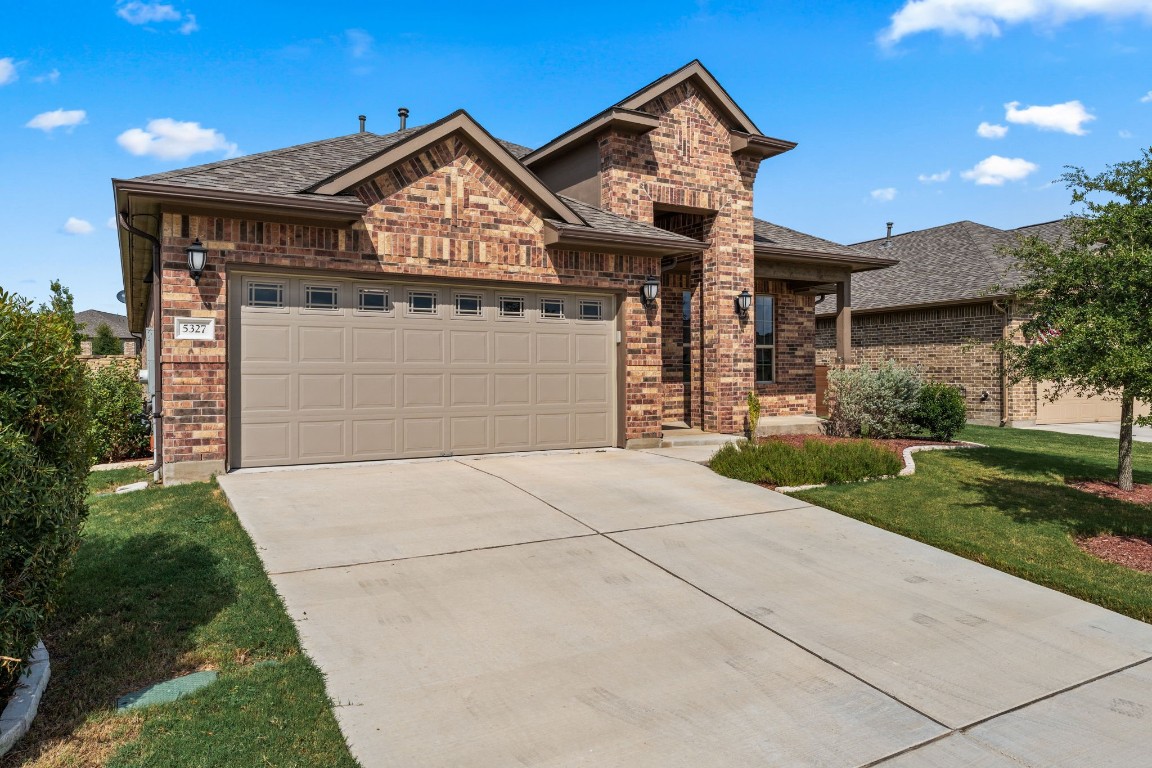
<point>199,328</point>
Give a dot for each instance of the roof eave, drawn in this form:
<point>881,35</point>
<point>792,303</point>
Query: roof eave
<point>759,146</point>
<point>923,305</point>
<point>618,118</point>
<point>855,263</point>
<point>700,73</point>
<point>340,208</point>
<point>582,239</point>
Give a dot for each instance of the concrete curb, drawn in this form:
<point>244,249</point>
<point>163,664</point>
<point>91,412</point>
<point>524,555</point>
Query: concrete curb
<point>21,710</point>
<point>909,466</point>
<point>121,464</point>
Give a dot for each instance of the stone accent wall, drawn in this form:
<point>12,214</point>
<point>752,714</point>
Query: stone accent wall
<point>794,391</point>
<point>953,345</point>
<point>446,213</point>
<point>687,163</point>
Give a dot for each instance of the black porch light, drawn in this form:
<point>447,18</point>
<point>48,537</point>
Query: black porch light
<point>197,259</point>
<point>744,303</point>
<point>649,290</point>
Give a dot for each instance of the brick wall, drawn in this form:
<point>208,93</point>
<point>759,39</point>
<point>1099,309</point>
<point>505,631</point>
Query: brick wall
<point>687,162</point>
<point>794,391</point>
<point>953,345</point>
<point>446,213</point>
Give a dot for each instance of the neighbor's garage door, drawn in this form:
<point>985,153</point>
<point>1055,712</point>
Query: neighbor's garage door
<point>1071,409</point>
<point>333,370</point>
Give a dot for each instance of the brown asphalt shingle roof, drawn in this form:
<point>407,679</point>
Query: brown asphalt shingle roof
<point>954,262</point>
<point>89,320</point>
<point>769,235</point>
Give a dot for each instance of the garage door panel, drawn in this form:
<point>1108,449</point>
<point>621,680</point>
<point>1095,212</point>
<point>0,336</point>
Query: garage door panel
<point>266,344</point>
<point>321,439</point>
<point>450,376</point>
<point>320,345</point>
<point>423,435</point>
<point>321,391</point>
<point>422,345</point>
<point>373,390</point>
<point>373,345</point>
<point>266,392</point>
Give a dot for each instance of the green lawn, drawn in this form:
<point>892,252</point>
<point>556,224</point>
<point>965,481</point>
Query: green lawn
<point>166,582</point>
<point>1007,506</point>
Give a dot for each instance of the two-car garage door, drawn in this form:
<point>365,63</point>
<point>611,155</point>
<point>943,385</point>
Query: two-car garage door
<point>342,370</point>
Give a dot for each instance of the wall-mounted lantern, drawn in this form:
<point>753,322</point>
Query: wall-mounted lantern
<point>197,260</point>
<point>649,291</point>
<point>743,303</point>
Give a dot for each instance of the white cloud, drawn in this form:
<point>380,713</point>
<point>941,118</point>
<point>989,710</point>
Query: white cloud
<point>1144,99</point>
<point>885,195</point>
<point>8,71</point>
<point>75,226</point>
<point>50,77</point>
<point>58,118</point>
<point>111,223</point>
<point>995,170</point>
<point>1068,117</point>
<point>359,43</point>
<point>170,139</point>
<point>935,178</point>
<point>980,18</point>
<point>141,13</point>
<point>988,130</point>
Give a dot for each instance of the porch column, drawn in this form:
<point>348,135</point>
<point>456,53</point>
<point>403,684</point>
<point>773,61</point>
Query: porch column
<point>844,321</point>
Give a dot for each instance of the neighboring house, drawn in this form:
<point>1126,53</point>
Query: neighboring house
<point>437,291</point>
<point>942,309</point>
<point>90,319</point>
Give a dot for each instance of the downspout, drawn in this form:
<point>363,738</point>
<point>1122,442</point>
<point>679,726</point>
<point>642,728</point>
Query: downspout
<point>157,383</point>
<point>1003,310</point>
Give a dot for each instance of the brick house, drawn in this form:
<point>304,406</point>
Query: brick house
<point>90,319</point>
<point>438,291</point>
<point>942,309</point>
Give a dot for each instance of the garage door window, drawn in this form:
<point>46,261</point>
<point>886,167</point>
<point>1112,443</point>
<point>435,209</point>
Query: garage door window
<point>591,309</point>
<point>373,300</point>
<point>511,307</point>
<point>266,295</point>
<point>552,309</point>
<point>421,303</point>
<point>469,305</point>
<point>321,297</point>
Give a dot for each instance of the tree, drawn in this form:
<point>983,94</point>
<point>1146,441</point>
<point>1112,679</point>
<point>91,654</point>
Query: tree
<point>1090,297</point>
<point>105,343</point>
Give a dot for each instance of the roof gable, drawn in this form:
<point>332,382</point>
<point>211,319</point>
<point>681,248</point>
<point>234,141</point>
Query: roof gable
<point>459,122</point>
<point>703,80</point>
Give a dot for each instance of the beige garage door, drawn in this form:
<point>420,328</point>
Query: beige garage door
<point>336,370</point>
<point>1072,409</point>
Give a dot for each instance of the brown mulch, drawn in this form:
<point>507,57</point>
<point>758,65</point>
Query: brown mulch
<point>1130,551</point>
<point>1140,493</point>
<point>896,445</point>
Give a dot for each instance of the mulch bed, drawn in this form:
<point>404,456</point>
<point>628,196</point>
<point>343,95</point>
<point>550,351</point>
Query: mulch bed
<point>896,445</point>
<point>1130,551</point>
<point>1140,493</point>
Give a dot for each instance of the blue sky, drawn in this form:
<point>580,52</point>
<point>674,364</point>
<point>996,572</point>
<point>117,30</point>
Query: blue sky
<point>885,99</point>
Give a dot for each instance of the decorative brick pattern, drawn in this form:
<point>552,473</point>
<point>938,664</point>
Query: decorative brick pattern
<point>446,213</point>
<point>687,162</point>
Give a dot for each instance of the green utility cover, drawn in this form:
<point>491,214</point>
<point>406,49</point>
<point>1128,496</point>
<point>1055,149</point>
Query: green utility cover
<point>170,690</point>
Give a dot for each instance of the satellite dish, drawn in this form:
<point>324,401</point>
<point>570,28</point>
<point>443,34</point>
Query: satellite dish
<point>120,297</point>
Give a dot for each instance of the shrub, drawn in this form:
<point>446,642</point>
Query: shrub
<point>940,410</point>
<point>104,343</point>
<point>778,463</point>
<point>867,402</point>
<point>43,466</point>
<point>753,413</point>
<point>115,402</point>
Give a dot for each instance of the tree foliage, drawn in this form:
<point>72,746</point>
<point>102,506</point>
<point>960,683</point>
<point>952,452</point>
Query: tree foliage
<point>44,461</point>
<point>116,429</point>
<point>105,342</point>
<point>1090,296</point>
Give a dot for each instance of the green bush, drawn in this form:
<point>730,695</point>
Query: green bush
<point>43,466</point>
<point>104,343</point>
<point>778,463</point>
<point>115,401</point>
<point>867,402</point>
<point>940,410</point>
<point>753,413</point>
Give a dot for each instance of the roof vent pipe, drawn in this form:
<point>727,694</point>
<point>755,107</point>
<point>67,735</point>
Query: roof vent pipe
<point>363,118</point>
<point>888,237</point>
<point>403,112</point>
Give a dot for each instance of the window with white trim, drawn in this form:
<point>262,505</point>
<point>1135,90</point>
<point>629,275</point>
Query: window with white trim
<point>552,308</point>
<point>373,300</point>
<point>469,305</point>
<point>510,306</point>
<point>321,297</point>
<point>765,340</point>
<point>591,309</point>
<point>421,303</point>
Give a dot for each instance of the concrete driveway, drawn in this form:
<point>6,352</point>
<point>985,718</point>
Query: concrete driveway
<point>1096,429</point>
<point>615,608</point>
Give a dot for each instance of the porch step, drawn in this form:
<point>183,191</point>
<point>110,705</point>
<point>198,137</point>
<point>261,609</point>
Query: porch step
<point>789,425</point>
<point>676,437</point>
